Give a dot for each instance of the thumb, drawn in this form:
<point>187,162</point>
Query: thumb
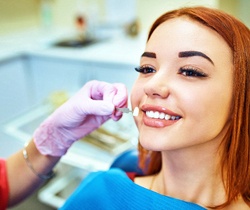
<point>121,97</point>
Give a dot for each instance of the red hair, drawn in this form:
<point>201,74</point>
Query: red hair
<point>235,161</point>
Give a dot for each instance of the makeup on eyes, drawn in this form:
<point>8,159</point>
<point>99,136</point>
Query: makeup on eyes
<point>145,69</point>
<point>182,54</point>
<point>149,54</point>
<point>191,53</point>
<point>191,72</point>
<point>186,71</point>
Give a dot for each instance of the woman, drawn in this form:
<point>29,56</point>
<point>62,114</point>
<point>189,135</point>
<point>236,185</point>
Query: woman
<point>193,94</point>
<point>207,89</point>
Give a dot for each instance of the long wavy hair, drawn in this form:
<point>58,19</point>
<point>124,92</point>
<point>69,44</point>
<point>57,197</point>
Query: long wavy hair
<point>235,161</point>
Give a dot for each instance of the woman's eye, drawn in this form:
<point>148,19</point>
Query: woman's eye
<point>190,72</point>
<point>145,69</point>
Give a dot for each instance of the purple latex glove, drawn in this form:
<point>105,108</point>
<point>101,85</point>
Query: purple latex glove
<point>87,110</point>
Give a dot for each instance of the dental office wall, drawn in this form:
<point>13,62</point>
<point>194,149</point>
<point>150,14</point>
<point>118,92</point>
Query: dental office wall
<point>28,14</point>
<point>17,16</point>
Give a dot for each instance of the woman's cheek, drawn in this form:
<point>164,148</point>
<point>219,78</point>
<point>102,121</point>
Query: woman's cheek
<point>136,94</point>
<point>136,97</point>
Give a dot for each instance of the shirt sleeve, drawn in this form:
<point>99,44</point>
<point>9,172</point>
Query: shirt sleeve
<point>4,188</point>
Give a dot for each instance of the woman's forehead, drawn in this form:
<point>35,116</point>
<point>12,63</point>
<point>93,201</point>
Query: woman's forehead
<point>184,34</point>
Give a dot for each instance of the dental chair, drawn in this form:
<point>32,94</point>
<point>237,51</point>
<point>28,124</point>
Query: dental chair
<point>128,162</point>
<point>52,194</point>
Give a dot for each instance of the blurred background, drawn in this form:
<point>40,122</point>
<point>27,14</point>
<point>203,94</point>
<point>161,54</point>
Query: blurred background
<point>26,14</point>
<point>49,49</point>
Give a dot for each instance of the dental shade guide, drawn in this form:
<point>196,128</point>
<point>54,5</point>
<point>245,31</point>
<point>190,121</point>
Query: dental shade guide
<point>127,110</point>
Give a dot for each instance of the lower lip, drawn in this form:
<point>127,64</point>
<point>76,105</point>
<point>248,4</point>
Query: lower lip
<point>157,123</point>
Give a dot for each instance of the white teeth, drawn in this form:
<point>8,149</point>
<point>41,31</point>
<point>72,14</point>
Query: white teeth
<point>167,117</point>
<point>161,115</point>
<point>150,114</point>
<point>156,115</point>
<point>172,117</point>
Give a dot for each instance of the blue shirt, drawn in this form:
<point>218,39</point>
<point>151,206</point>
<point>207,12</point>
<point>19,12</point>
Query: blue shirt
<point>113,190</point>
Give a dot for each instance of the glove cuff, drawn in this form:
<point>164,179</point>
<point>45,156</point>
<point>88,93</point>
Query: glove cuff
<point>49,141</point>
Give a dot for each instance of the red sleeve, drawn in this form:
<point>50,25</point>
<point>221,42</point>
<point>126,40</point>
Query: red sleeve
<point>131,175</point>
<point>4,188</point>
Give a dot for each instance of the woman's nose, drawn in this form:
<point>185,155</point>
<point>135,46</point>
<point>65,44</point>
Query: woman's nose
<point>157,86</point>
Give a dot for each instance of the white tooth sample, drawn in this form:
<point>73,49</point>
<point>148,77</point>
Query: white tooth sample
<point>136,112</point>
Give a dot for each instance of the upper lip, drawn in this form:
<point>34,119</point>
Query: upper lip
<point>150,107</point>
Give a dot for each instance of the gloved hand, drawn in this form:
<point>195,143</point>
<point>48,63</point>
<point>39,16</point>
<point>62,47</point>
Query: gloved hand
<point>87,110</point>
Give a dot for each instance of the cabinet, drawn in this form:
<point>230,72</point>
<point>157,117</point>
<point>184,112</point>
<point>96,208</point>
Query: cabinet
<point>54,74</point>
<point>15,92</point>
<point>115,73</point>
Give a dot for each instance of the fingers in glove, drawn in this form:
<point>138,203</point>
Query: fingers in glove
<point>120,100</point>
<point>96,98</point>
<point>99,90</point>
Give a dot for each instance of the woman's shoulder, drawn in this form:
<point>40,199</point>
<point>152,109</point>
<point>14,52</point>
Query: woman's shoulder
<point>113,173</point>
<point>113,189</point>
<point>239,204</point>
<point>103,180</point>
<point>113,177</point>
<point>100,190</point>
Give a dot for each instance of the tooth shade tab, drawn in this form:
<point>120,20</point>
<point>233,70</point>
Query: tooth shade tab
<point>161,115</point>
<point>136,112</point>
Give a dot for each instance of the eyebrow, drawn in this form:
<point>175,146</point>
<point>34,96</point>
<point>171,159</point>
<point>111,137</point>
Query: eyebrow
<point>148,54</point>
<point>185,54</point>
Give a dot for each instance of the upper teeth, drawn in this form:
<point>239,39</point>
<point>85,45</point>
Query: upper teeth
<point>161,115</point>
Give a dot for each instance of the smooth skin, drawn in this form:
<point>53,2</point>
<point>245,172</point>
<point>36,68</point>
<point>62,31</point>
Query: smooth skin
<point>22,181</point>
<point>197,90</point>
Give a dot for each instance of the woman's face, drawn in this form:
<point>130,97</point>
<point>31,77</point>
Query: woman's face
<point>184,88</point>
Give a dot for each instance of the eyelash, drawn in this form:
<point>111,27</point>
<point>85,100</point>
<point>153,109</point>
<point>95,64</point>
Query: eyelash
<point>185,71</point>
<point>191,72</point>
<point>145,69</point>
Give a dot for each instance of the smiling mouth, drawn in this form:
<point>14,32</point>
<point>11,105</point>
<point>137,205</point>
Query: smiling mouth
<point>161,115</point>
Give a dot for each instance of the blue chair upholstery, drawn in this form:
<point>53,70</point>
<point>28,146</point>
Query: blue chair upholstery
<point>128,162</point>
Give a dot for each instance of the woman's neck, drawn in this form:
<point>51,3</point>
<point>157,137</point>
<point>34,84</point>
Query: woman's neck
<point>193,175</point>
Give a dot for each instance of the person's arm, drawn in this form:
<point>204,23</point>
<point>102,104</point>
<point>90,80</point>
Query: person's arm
<point>22,180</point>
<point>84,112</point>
